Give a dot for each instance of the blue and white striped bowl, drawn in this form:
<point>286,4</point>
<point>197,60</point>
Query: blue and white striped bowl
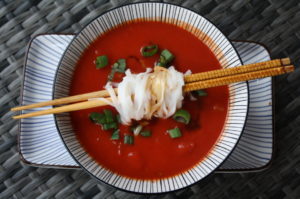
<point>203,29</point>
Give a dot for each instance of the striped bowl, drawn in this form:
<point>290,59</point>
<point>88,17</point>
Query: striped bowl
<point>205,31</point>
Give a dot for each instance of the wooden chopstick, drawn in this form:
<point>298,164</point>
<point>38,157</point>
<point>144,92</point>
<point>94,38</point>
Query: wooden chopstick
<point>65,100</point>
<point>237,70</point>
<point>237,78</point>
<point>67,108</point>
<point>188,87</point>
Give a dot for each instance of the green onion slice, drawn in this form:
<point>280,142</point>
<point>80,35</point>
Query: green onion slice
<point>97,118</point>
<point>174,133</point>
<point>146,133</point>
<point>162,61</point>
<point>137,129</point>
<point>119,118</point>
<point>128,139</point>
<point>101,61</point>
<point>108,116</point>
<point>201,93</point>
<point>148,51</point>
<point>182,115</point>
<point>111,75</point>
<point>115,135</point>
<point>120,66</point>
<point>166,57</point>
<point>108,126</point>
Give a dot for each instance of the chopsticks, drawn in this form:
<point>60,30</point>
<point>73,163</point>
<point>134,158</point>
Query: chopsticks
<point>237,78</point>
<point>65,100</point>
<point>193,82</point>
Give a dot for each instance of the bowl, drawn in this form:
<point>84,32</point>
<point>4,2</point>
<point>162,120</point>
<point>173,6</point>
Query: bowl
<point>218,44</point>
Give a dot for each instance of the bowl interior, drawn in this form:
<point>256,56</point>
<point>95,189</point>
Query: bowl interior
<point>205,31</point>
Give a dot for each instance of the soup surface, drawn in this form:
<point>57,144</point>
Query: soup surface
<point>159,155</point>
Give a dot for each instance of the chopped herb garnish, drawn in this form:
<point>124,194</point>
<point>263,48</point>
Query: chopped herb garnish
<point>201,93</point>
<point>162,61</point>
<point>115,135</point>
<point>166,57</point>
<point>119,118</point>
<point>111,75</point>
<point>174,133</point>
<point>182,115</point>
<point>137,129</point>
<point>119,66</point>
<point>128,139</point>
<point>108,126</point>
<point>146,133</point>
<point>101,61</point>
<point>97,118</point>
<point>108,116</point>
<point>148,51</point>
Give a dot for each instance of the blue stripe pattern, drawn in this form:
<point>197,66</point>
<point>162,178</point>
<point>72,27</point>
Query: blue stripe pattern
<point>254,149</point>
<point>39,140</point>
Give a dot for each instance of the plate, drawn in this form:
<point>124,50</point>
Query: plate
<point>40,144</point>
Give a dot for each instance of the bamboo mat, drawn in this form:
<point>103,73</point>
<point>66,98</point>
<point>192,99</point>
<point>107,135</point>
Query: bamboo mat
<point>274,23</point>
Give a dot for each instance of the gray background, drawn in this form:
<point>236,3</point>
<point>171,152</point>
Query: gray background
<point>275,23</point>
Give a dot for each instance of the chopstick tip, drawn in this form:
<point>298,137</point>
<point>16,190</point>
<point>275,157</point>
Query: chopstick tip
<point>16,117</point>
<point>289,68</point>
<point>14,109</point>
<point>286,61</point>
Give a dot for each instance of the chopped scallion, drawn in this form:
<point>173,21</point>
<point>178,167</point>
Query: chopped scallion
<point>115,135</point>
<point>120,66</point>
<point>108,126</point>
<point>146,133</point>
<point>137,129</point>
<point>97,118</point>
<point>108,116</point>
<point>166,57</point>
<point>182,115</point>
<point>162,61</point>
<point>101,61</point>
<point>174,133</point>
<point>128,139</point>
<point>148,51</point>
<point>119,118</point>
<point>201,93</point>
<point>111,75</point>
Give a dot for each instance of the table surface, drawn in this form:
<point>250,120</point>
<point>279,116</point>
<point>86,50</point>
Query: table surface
<point>275,23</point>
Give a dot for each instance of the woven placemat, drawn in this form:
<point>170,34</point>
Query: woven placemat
<point>275,23</point>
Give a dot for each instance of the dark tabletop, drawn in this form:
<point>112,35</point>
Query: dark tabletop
<point>274,23</point>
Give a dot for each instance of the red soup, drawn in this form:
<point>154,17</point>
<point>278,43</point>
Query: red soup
<point>157,156</point>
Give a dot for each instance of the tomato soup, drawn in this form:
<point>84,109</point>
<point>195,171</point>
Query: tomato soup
<point>157,156</point>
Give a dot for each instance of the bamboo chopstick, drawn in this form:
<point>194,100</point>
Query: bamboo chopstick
<point>223,80</point>
<point>187,79</point>
<point>65,100</point>
<point>237,70</point>
<point>237,78</point>
<point>67,108</point>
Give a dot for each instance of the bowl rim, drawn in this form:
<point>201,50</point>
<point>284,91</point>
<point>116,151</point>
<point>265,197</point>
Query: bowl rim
<point>161,192</point>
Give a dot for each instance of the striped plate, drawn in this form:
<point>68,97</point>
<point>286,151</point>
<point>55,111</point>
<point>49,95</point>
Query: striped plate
<point>40,144</point>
